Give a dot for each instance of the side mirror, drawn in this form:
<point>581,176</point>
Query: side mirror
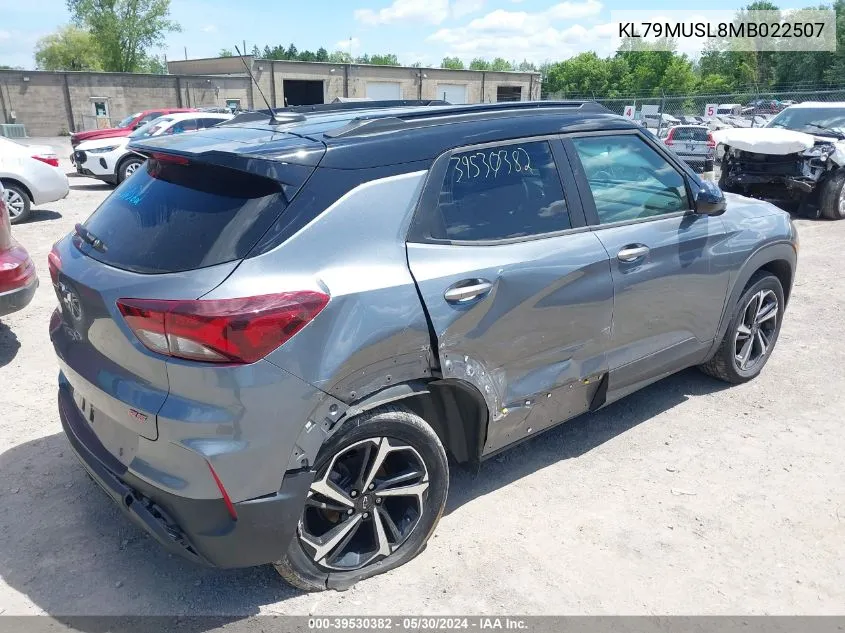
<point>137,125</point>
<point>709,200</point>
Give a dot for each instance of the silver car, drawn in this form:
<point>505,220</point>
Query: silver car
<point>273,334</point>
<point>694,144</point>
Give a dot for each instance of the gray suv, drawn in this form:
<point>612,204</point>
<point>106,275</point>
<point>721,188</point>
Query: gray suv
<point>272,335</point>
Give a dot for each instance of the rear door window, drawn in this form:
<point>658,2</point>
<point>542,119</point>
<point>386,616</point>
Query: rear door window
<point>501,192</point>
<point>170,217</point>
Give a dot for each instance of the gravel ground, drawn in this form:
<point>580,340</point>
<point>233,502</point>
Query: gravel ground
<point>686,498</point>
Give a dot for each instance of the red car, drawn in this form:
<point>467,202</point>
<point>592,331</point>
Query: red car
<point>18,279</point>
<point>125,127</point>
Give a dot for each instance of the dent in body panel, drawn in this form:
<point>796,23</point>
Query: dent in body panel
<point>543,326</point>
<point>228,416</point>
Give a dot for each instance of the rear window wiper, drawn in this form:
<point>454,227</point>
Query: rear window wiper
<point>89,238</point>
<point>824,128</point>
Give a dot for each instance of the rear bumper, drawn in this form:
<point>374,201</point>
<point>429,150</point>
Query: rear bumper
<point>197,529</point>
<point>18,299</point>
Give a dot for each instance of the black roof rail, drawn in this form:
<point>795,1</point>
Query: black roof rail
<point>373,123</point>
<point>362,105</point>
<point>296,114</point>
<point>265,115</point>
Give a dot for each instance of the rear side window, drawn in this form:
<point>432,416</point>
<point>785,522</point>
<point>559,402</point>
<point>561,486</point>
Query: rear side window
<point>501,192</point>
<point>170,217</point>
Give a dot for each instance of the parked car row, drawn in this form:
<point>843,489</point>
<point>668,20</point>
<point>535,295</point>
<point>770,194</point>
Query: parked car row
<point>109,158</point>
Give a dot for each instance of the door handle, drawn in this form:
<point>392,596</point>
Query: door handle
<point>467,290</point>
<point>632,253</point>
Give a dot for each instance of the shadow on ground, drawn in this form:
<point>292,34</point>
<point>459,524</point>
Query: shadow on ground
<point>92,185</point>
<point>70,551</point>
<point>9,345</point>
<point>41,215</point>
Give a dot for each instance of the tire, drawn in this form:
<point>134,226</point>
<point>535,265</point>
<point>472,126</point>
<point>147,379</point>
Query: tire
<point>362,441</point>
<point>725,364</point>
<point>127,167</point>
<point>18,203</point>
<point>832,197</point>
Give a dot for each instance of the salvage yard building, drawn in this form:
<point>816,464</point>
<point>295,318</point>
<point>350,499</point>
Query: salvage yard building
<point>52,103</point>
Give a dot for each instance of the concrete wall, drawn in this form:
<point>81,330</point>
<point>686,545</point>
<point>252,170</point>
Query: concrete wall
<point>53,103</point>
<point>350,80</point>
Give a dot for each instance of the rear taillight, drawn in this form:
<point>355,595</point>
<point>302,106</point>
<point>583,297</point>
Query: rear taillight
<point>221,330</point>
<point>711,143</point>
<point>668,139</point>
<point>50,159</point>
<point>54,263</point>
<point>16,269</point>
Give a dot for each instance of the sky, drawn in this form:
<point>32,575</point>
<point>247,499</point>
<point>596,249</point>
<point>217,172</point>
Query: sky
<point>422,31</point>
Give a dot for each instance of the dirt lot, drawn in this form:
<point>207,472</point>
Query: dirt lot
<point>684,498</point>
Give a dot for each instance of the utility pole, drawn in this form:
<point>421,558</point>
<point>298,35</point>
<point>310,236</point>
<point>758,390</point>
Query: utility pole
<point>186,53</point>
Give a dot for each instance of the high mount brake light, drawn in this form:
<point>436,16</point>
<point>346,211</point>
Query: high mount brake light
<point>221,330</point>
<point>169,158</point>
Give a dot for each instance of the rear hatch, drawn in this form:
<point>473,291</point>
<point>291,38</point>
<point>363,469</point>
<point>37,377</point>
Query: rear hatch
<point>691,143</point>
<point>173,231</point>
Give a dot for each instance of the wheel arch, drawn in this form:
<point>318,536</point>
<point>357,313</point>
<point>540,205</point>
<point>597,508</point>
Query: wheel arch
<point>779,259</point>
<point>119,165</point>
<point>454,408</point>
<point>18,183</point>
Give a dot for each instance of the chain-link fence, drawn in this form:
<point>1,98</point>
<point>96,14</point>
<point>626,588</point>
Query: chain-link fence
<point>751,108</point>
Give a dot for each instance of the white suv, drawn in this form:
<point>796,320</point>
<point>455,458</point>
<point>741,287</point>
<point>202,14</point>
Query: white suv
<point>109,159</point>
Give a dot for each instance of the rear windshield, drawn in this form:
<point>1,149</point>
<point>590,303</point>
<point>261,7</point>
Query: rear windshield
<point>690,134</point>
<point>170,218</point>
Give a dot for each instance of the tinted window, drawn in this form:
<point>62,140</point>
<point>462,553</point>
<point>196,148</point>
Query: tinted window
<point>630,180</point>
<point>170,217</point>
<point>501,192</point>
<point>210,122</point>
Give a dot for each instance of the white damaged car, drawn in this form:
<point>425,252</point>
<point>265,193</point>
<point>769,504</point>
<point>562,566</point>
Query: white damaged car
<point>798,156</point>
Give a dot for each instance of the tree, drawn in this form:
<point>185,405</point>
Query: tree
<point>322,55</point>
<point>500,64</point>
<point>69,48</point>
<point>455,63</point>
<point>292,52</point>
<point>226,52</point>
<point>479,64</point>
<point>386,59</point>
<point>256,52</point>
<point>340,57</point>
<point>154,65</point>
<point>124,29</point>
<point>526,66</point>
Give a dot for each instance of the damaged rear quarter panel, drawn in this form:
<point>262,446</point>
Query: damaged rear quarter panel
<point>373,332</point>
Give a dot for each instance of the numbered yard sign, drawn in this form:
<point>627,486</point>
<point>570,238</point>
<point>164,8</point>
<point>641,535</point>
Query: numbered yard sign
<point>629,112</point>
<point>710,109</point>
